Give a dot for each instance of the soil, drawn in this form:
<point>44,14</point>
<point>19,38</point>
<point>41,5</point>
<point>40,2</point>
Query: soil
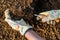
<point>26,9</point>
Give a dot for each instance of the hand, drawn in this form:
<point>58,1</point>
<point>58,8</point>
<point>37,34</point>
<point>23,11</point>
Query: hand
<point>49,16</point>
<point>19,25</point>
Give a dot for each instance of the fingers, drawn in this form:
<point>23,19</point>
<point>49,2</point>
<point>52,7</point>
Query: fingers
<point>57,20</point>
<point>45,19</point>
<point>7,15</point>
<point>45,13</point>
<point>41,16</point>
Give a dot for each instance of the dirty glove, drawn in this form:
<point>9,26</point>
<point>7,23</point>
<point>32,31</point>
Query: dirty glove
<point>49,15</point>
<point>19,25</point>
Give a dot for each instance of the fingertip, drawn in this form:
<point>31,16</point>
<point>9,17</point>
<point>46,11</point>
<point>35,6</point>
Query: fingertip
<point>7,15</point>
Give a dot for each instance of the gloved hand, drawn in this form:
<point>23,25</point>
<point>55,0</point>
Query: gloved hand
<point>49,15</point>
<point>19,25</point>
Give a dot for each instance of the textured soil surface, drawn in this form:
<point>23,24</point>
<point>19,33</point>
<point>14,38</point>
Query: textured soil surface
<point>26,9</point>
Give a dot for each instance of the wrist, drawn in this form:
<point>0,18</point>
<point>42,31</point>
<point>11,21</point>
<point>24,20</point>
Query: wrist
<point>29,30</point>
<point>24,29</point>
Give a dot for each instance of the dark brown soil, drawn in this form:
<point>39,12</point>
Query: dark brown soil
<point>26,9</point>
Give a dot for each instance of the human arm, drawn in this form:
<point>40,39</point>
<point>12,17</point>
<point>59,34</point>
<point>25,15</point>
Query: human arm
<point>31,35</point>
<point>22,27</point>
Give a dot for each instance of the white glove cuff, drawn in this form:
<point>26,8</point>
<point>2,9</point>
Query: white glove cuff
<point>24,29</point>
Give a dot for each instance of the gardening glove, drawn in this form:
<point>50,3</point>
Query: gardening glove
<point>49,15</point>
<point>19,25</point>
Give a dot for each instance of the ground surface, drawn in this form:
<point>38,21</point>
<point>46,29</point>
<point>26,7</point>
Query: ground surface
<point>26,9</point>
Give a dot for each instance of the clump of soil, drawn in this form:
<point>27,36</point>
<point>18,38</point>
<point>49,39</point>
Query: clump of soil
<point>26,9</point>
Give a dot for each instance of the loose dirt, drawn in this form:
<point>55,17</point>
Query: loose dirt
<point>26,9</point>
